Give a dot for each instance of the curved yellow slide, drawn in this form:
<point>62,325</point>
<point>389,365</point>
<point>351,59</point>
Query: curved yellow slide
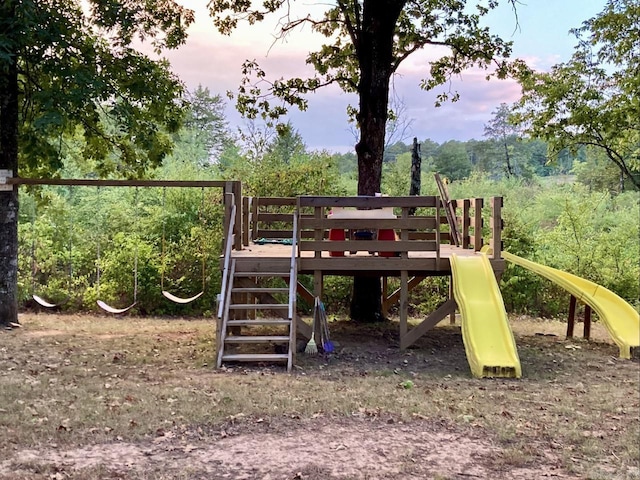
<point>621,320</point>
<point>488,339</point>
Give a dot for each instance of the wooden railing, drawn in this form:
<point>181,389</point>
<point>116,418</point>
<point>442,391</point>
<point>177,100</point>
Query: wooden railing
<point>359,215</point>
<point>271,218</point>
<point>230,206</point>
<point>469,221</point>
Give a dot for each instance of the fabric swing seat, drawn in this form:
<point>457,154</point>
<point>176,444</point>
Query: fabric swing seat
<point>110,309</point>
<point>41,301</point>
<point>175,299</point>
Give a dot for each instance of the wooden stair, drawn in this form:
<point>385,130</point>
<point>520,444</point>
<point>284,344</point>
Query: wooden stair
<point>257,320</point>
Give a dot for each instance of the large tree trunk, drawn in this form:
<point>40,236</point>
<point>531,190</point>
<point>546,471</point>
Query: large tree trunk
<point>375,56</point>
<point>9,199</point>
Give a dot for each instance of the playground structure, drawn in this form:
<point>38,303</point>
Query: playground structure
<point>271,239</point>
<point>317,236</point>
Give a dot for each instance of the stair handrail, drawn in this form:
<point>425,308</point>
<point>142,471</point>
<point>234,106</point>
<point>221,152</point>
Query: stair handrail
<point>227,257</point>
<point>293,270</point>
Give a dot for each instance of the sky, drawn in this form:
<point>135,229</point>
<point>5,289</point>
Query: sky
<point>540,36</point>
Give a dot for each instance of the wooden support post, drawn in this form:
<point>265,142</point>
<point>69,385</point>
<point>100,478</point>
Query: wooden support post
<point>587,322</point>
<point>452,315</point>
<point>318,281</point>
<point>477,223</point>
<point>496,227</point>
<point>466,222</point>
<point>385,289</point>
<point>237,191</point>
<point>572,317</point>
<point>404,304</point>
<point>247,205</point>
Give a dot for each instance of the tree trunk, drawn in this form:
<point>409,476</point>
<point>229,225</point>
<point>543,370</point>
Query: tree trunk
<point>9,199</point>
<point>375,57</point>
<point>507,158</point>
<point>416,163</point>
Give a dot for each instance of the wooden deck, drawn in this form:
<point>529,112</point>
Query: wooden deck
<point>273,257</point>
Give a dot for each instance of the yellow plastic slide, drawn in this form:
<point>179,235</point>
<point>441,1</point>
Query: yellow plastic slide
<point>488,340</point>
<point>621,319</point>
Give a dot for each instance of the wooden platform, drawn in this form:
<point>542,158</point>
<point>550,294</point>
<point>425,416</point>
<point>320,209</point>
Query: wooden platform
<point>272,257</point>
<point>328,239</point>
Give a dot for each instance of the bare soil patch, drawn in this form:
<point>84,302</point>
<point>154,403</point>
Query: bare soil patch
<point>102,398</point>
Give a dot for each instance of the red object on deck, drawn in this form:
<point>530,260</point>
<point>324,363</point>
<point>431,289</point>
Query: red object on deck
<point>387,234</point>
<point>337,235</point>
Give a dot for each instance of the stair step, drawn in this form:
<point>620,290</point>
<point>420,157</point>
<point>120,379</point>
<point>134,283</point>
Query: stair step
<point>255,357</point>
<point>258,322</point>
<point>259,306</point>
<point>260,290</point>
<point>261,274</point>
<point>257,339</point>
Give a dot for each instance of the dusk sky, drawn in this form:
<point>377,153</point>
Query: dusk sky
<point>541,38</point>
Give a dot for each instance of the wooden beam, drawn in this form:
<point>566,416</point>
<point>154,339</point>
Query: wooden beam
<point>428,323</point>
<point>496,227</point>
<point>478,203</point>
<point>387,302</point>
<point>466,222</point>
<point>367,202</point>
<point>89,182</point>
<point>404,304</point>
<point>587,322</point>
<point>571,320</point>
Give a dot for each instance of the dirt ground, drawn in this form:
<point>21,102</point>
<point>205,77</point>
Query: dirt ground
<point>324,448</point>
<point>387,438</point>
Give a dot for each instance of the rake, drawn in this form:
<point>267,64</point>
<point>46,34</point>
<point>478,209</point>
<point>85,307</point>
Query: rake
<point>327,344</point>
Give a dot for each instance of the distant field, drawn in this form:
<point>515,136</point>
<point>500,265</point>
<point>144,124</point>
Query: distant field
<point>85,397</point>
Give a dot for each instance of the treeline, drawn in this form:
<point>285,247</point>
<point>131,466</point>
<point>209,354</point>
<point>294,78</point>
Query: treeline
<point>571,214</point>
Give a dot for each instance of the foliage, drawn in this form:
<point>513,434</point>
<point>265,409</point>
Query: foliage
<point>286,169</point>
<point>77,68</point>
<point>593,99</point>
<point>452,160</point>
<point>205,121</point>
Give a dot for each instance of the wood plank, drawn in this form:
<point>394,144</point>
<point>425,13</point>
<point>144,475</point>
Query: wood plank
<point>87,182</point>
<point>373,264</point>
<point>258,322</point>
<point>255,357</point>
<point>496,226</point>
<point>259,306</point>
<point>267,201</point>
<point>476,239</point>
<point>428,323</point>
<point>368,246</point>
<point>404,303</point>
<point>326,223</point>
<point>257,339</point>
<point>260,289</point>
<point>367,202</point>
<point>275,217</point>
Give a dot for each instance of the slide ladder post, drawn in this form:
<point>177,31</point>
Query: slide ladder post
<point>571,320</point>
<point>587,322</point>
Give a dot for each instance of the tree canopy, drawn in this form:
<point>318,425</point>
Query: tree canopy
<point>73,66</point>
<point>594,98</point>
<point>366,42</point>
